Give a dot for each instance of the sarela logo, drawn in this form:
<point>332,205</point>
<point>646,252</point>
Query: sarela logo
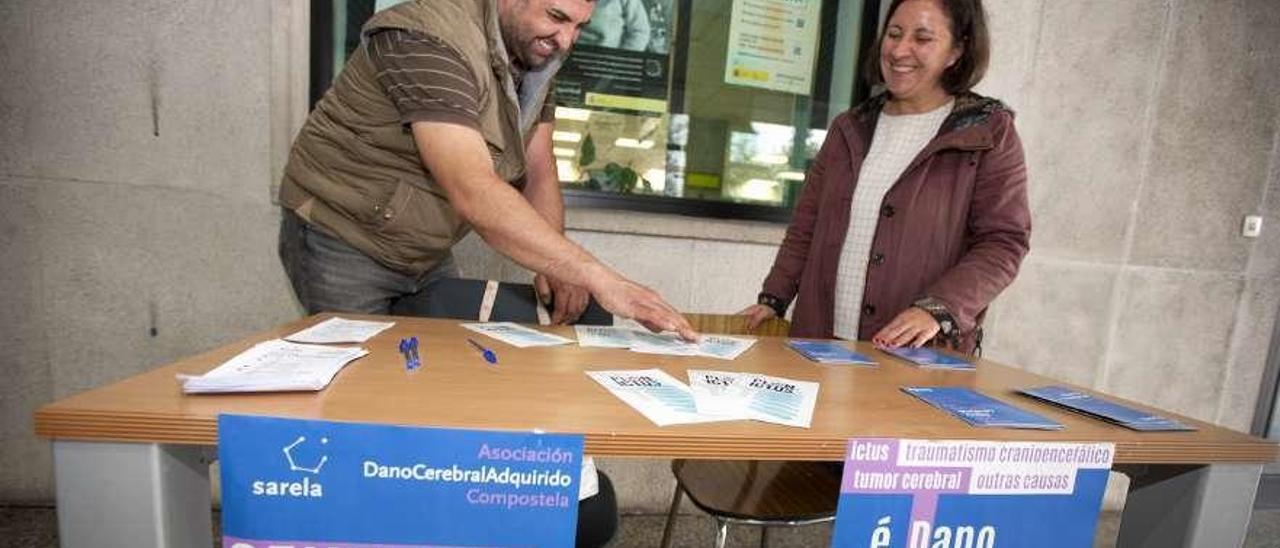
<point>302,456</point>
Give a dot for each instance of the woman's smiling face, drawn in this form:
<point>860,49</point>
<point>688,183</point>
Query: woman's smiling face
<point>916,49</point>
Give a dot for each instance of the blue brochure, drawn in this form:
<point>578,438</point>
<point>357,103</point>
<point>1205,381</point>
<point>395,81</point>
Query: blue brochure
<point>978,409</point>
<point>291,482</point>
<point>928,357</point>
<point>828,352</point>
<point>1109,411</point>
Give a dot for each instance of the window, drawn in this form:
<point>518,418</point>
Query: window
<point>708,108</point>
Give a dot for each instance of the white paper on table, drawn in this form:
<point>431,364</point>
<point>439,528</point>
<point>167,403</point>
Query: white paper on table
<point>666,343</point>
<point>339,330</point>
<point>722,347</point>
<point>516,335</point>
<point>710,346</point>
<point>604,336</point>
<point>275,366</point>
<point>656,395</point>
<point>778,400</point>
<point>719,393</point>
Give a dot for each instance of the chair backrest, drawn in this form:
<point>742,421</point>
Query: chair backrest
<point>733,324</point>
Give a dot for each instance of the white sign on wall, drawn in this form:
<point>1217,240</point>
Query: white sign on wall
<point>772,44</point>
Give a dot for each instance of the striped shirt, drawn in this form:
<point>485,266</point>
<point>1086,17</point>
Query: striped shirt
<point>428,80</point>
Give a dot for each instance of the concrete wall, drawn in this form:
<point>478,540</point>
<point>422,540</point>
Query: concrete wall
<point>1151,131</point>
<point>138,141</point>
<point>135,164</point>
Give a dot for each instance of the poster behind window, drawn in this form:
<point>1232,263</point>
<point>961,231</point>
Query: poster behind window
<point>772,44</point>
<point>621,61</point>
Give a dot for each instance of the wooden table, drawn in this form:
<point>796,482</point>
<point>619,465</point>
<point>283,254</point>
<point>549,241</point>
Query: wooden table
<point>131,459</point>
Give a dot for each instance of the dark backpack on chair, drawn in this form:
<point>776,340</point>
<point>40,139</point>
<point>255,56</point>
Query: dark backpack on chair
<point>487,301</point>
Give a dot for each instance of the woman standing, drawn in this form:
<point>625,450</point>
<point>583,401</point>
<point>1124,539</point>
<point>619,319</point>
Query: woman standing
<point>914,214</point>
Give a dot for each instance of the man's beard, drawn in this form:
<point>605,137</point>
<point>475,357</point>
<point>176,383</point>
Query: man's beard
<point>529,58</point>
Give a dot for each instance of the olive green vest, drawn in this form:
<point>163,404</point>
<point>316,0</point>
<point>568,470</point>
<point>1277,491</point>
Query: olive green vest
<point>355,171</point>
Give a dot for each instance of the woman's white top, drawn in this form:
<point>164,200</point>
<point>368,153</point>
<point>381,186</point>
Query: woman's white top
<point>897,141</point>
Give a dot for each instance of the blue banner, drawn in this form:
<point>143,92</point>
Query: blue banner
<point>973,494</point>
<point>346,485</point>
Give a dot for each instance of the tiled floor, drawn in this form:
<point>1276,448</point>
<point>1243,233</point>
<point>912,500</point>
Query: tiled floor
<point>36,527</point>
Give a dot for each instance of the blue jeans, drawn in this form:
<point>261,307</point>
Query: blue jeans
<point>330,276</point>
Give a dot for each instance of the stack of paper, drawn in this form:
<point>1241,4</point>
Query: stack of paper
<point>722,347</point>
<point>656,395</point>
<point>667,344</point>
<point>978,409</point>
<point>339,330</point>
<point>830,352</point>
<point>275,366</point>
<point>930,358</point>
<point>604,336</point>
<point>754,396</point>
<point>1109,411</point>
<point>516,335</point>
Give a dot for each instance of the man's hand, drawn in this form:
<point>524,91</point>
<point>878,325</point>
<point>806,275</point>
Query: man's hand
<point>569,300</point>
<point>757,314</point>
<point>911,327</point>
<point>637,302</point>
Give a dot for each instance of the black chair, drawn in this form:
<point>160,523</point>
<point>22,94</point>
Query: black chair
<point>763,493</point>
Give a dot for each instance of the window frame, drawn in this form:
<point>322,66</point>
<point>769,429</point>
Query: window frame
<point>322,73</point>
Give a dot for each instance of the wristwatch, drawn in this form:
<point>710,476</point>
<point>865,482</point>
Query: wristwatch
<point>779,307</point>
<point>935,308</point>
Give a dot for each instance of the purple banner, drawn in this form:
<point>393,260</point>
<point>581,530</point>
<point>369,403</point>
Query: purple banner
<point>905,492</point>
<point>871,467</point>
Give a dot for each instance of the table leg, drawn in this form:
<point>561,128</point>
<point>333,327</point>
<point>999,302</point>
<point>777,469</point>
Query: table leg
<point>1188,505</point>
<point>127,495</point>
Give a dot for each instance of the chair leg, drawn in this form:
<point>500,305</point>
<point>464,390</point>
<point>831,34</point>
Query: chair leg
<point>722,532</point>
<point>671,516</point>
<point>764,536</point>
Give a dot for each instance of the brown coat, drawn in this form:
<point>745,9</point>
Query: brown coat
<point>955,226</point>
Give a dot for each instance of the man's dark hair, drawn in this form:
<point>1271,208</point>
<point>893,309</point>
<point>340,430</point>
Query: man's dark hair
<point>968,31</point>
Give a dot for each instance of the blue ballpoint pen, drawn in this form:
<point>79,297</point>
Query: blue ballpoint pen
<point>408,348</point>
<point>489,356</point>
<point>413,349</point>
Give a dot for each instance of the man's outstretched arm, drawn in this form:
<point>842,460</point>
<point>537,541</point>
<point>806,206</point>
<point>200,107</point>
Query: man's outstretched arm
<point>458,158</point>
